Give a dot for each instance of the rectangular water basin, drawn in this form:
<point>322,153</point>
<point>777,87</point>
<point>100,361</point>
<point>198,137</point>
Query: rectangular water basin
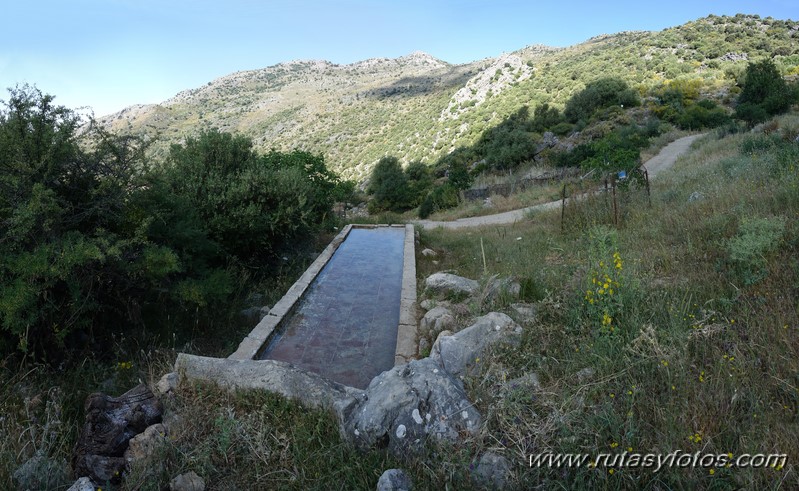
<point>341,318</point>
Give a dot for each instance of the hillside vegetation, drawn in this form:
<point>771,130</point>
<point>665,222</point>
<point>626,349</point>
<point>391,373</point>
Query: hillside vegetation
<point>418,108</point>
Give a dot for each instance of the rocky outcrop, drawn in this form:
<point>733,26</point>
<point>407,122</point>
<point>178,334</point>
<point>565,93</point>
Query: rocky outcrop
<point>408,404</point>
<point>459,353</point>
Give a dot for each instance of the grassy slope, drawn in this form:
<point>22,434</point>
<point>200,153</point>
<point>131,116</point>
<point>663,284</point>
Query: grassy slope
<point>698,360</point>
<point>355,114</point>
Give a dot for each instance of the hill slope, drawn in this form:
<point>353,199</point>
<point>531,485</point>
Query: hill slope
<point>419,108</point>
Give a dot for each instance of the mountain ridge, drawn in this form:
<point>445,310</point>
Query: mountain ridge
<point>418,107</point>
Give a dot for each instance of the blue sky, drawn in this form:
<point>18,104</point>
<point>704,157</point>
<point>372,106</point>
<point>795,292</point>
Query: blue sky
<point>108,54</point>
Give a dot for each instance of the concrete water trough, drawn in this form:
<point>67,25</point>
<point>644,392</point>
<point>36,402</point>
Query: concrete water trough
<point>351,315</point>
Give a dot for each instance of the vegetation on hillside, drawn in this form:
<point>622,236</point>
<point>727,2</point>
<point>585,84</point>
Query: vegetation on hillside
<point>613,131</point>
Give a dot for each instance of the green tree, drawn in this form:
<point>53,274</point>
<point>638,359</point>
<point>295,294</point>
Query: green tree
<point>389,186</point>
<point>420,181</point>
<point>75,262</point>
<point>252,206</point>
<point>764,93</point>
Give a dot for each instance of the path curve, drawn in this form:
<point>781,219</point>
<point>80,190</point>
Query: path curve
<point>654,166</point>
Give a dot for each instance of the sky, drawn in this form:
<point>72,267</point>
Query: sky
<point>104,55</point>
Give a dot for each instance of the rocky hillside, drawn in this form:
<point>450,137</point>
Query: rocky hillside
<point>419,108</point>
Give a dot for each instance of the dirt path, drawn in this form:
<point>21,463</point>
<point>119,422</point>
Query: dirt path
<point>660,162</point>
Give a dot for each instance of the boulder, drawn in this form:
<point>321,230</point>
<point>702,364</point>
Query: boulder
<point>110,423</point>
<point>460,352</point>
<point>436,320</point>
<point>404,406</point>
<point>189,481</point>
<point>394,480</point>
<point>491,471</point>
<point>450,284</point>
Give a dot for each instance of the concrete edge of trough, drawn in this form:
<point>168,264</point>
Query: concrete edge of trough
<point>251,346</point>
<point>406,331</point>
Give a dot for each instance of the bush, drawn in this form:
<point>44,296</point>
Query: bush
<point>749,249</point>
<point>75,260</point>
<point>96,244</point>
<point>600,94</point>
<point>440,198</point>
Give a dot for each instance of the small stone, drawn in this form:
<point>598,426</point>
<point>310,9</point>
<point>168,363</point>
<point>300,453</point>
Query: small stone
<point>528,383</point>
<point>429,253</point>
<point>189,481</point>
<point>401,430</point>
<point>428,304</point>
<point>424,345</point>
<point>447,283</point>
<point>82,484</point>
<point>696,196</point>
<point>263,312</point>
<point>436,320</point>
<point>491,471</point>
<point>167,384</point>
<point>394,480</point>
<point>585,375</point>
<point>525,312</point>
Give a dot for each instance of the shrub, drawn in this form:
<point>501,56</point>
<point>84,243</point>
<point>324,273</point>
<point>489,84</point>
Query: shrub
<point>749,249</point>
<point>764,93</point>
<point>440,198</point>
<point>599,94</point>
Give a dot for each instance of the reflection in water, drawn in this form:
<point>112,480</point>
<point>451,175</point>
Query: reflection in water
<point>345,326</point>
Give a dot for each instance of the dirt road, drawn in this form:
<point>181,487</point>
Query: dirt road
<point>660,162</point>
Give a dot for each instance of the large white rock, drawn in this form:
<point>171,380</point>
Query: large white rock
<point>447,283</point>
<point>459,353</point>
